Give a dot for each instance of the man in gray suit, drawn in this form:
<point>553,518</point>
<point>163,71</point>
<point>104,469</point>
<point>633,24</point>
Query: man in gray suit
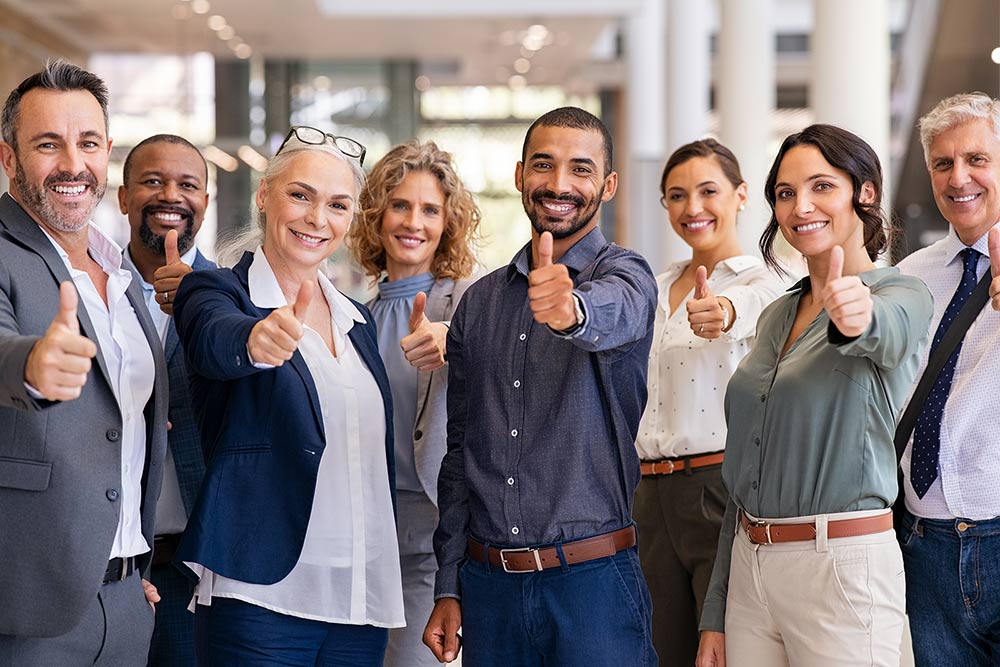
<point>164,194</point>
<point>83,393</point>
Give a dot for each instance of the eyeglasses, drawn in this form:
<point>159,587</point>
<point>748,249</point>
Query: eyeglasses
<point>314,137</point>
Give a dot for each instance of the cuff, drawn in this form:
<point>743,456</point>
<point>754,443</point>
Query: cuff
<point>257,364</point>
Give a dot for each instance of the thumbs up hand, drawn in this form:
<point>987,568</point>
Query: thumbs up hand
<point>275,338</point>
<point>994,241</point>
<point>58,364</point>
<point>706,312</point>
<point>168,277</point>
<point>551,289</point>
<point>847,300</point>
<point>424,347</point>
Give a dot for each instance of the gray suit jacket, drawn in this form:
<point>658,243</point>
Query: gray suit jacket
<point>430,434</point>
<point>60,462</point>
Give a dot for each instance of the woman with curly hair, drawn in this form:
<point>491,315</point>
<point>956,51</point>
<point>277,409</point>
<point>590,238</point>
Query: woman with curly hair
<point>418,226</point>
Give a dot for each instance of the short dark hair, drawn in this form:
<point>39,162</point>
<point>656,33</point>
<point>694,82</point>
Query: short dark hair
<point>578,119</point>
<point>57,75</point>
<point>851,154</point>
<point>703,148</point>
<point>159,139</point>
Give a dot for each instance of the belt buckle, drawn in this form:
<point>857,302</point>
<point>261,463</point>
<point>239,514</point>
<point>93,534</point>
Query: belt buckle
<point>757,524</point>
<point>668,471</point>
<point>522,550</point>
<point>124,574</point>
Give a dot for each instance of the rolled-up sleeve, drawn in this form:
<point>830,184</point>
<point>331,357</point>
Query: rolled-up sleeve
<point>618,304</point>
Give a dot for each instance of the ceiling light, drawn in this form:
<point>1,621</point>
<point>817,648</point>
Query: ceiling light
<point>243,51</point>
<point>995,55</point>
<point>227,33</point>
<point>256,161</point>
<point>181,12</point>
<point>220,158</point>
<point>517,82</point>
<point>522,65</point>
<point>200,6</point>
<point>216,22</point>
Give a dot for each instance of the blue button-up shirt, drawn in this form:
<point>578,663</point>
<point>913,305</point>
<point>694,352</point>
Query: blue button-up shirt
<point>541,427</point>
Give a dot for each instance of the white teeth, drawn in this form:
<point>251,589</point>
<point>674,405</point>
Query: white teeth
<point>409,242</point>
<point>307,238</point>
<point>697,225</point>
<point>560,208</point>
<point>66,190</point>
<point>168,217</point>
<point>810,227</point>
<point>964,199</point>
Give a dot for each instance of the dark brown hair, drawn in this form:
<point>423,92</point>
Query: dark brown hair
<point>703,148</point>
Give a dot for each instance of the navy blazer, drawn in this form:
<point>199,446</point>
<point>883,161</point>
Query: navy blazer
<point>262,431</point>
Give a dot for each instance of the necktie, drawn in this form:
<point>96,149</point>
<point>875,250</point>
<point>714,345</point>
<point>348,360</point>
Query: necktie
<point>927,433</point>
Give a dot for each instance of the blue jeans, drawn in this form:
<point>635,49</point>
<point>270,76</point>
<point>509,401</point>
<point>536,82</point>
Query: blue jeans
<point>593,613</point>
<point>235,633</point>
<point>952,590</point>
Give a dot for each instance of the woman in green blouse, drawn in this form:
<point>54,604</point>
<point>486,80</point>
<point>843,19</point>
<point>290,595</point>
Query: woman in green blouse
<point>808,571</point>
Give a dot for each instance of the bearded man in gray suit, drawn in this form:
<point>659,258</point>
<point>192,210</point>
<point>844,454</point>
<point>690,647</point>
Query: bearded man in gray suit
<point>83,394</point>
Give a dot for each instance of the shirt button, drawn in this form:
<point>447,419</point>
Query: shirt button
<point>112,494</point>
<point>962,526</point>
<point>753,485</point>
<point>113,434</point>
<point>514,433</point>
<point>756,441</point>
<point>517,383</point>
<point>523,336</point>
<point>510,481</point>
<point>418,434</point>
<point>239,361</point>
<point>515,530</point>
<point>763,397</point>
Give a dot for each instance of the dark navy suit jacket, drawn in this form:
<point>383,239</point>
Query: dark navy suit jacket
<point>262,431</point>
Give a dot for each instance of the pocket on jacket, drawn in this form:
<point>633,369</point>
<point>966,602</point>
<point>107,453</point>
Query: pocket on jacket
<point>24,474</point>
<point>244,448</point>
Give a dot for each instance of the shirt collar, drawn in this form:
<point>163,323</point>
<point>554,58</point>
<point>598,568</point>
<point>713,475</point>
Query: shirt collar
<point>100,247</point>
<point>954,245</point>
<point>266,293</point>
<point>579,256</point>
<point>129,263</point>
<point>735,265</point>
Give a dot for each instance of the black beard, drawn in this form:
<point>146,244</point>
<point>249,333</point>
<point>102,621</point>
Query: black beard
<point>559,233</point>
<point>149,238</point>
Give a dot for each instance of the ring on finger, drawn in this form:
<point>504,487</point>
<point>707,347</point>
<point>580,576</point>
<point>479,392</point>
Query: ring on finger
<point>701,328</point>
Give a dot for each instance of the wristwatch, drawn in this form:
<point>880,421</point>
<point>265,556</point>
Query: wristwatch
<point>725,316</point>
<point>581,318</point>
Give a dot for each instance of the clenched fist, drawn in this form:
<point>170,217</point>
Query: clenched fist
<point>550,290</point>
<point>275,338</point>
<point>58,364</point>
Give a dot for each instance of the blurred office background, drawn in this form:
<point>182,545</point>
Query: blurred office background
<point>232,75</point>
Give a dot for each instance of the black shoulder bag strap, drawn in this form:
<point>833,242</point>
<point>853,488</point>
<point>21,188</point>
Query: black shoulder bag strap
<point>952,337</point>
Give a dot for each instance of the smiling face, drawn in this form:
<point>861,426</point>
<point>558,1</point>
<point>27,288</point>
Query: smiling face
<point>964,165</point>
<point>702,203</point>
<point>814,203</point>
<point>166,190</point>
<point>562,182</point>
<point>60,169</point>
<point>412,225</point>
<point>308,207</point>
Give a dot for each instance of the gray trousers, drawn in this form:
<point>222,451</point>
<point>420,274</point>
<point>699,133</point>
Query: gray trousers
<point>679,517</point>
<point>114,632</point>
<point>418,518</point>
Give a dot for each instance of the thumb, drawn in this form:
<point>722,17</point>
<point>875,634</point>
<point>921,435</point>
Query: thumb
<point>836,270</point>
<point>170,247</point>
<point>994,241</point>
<point>419,302</point>
<point>302,300</point>
<point>701,283</point>
<point>68,301</point>
<point>544,250</point>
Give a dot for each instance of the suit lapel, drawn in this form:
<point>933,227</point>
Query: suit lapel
<point>27,232</point>
<point>438,301</point>
<point>367,347</point>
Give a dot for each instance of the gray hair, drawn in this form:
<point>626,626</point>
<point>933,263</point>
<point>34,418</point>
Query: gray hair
<point>248,238</point>
<point>956,110</point>
<point>58,75</point>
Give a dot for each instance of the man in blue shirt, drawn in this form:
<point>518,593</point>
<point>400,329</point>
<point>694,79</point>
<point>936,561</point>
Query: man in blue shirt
<point>547,383</point>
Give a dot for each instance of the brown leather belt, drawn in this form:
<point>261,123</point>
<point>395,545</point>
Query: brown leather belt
<point>542,558</point>
<point>762,532</point>
<point>670,466</point>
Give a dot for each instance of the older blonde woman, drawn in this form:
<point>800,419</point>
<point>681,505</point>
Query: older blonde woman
<point>292,537</point>
<point>416,228</point>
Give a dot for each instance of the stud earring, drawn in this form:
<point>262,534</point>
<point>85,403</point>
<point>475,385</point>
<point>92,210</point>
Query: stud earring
<point>742,206</point>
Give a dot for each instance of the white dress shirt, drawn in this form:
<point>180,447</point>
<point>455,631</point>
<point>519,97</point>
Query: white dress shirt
<point>688,375</point>
<point>348,571</point>
<point>968,482</point>
<point>129,361</point>
<point>171,517</point>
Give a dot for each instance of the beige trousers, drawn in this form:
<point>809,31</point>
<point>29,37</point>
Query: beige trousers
<point>822,603</point>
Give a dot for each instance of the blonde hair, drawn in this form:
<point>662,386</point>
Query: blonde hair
<point>956,110</point>
<point>252,235</point>
<point>455,255</point>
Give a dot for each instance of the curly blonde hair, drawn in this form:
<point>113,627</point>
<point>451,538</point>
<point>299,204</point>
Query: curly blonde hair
<point>455,255</point>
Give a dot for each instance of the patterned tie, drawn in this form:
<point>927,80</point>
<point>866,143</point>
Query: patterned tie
<point>927,433</point>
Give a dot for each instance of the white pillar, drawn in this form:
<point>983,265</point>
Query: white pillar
<point>688,86</point>
<point>850,70</point>
<point>646,129</point>
<point>745,97</point>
